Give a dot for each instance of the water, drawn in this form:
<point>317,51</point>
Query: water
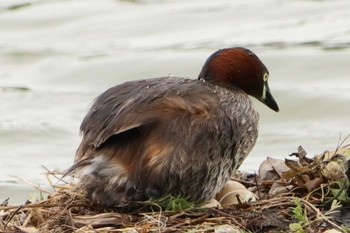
<point>57,55</point>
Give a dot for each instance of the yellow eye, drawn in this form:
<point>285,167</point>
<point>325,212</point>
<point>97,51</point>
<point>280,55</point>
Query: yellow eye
<point>266,77</point>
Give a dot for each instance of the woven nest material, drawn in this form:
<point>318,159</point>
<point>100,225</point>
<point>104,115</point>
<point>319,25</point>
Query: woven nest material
<point>299,195</point>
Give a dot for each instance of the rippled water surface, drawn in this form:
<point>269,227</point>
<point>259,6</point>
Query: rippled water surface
<point>56,56</point>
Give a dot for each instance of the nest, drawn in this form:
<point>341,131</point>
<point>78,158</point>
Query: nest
<point>293,195</point>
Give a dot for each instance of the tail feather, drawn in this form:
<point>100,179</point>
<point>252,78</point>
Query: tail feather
<point>77,165</point>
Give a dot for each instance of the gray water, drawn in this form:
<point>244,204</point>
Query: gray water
<point>57,55</point>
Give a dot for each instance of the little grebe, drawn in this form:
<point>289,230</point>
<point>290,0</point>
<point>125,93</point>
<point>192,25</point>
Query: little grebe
<point>149,138</point>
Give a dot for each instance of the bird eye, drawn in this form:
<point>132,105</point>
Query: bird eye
<point>266,77</point>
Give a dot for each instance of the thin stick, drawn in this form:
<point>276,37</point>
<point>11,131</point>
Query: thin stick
<point>37,187</point>
<point>320,215</point>
<point>12,216</point>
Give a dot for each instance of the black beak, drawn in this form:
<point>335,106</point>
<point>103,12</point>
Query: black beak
<point>268,100</point>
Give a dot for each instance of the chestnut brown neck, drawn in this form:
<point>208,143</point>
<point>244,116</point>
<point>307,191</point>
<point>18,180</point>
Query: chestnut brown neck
<point>235,68</point>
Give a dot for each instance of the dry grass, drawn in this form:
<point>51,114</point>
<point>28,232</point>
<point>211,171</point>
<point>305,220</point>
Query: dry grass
<point>311,201</point>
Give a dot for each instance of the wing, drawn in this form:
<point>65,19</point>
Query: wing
<point>144,106</point>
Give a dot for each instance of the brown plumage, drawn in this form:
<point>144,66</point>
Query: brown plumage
<point>148,138</point>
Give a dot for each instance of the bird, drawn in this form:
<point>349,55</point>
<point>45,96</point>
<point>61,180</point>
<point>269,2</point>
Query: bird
<point>184,137</point>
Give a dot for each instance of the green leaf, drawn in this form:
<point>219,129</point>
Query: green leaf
<point>296,227</point>
<point>298,212</point>
<point>171,203</point>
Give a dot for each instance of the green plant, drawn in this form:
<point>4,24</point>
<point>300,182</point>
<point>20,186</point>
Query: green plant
<point>299,214</point>
<point>171,203</point>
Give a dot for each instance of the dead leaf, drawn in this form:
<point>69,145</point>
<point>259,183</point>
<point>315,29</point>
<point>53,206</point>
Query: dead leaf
<point>314,184</point>
<point>278,165</point>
